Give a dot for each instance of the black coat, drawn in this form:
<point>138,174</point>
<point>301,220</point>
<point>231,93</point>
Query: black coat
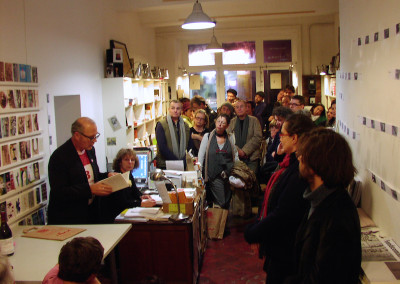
<point>112,205</point>
<point>328,244</point>
<point>69,187</point>
<point>276,232</point>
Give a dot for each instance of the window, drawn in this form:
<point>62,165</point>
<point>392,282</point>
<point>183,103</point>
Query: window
<point>244,82</point>
<point>198,56</point>
<point>204,84</point>
<point>243,52</point>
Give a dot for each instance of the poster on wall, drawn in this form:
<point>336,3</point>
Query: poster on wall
<point>277,51</point>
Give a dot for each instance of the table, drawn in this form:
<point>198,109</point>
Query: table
<point>33,258</point>
<point>171,251</point>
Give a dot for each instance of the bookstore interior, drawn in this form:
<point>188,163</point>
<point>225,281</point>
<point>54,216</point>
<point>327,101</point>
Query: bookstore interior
<point>126,66</point>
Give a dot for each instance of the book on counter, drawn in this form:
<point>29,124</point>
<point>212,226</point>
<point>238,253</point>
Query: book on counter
<point>118,181</point>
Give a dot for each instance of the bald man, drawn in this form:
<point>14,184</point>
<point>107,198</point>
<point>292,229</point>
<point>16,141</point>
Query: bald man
<point>74,177</point>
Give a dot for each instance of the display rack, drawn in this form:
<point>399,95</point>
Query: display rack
<point>23,188</point>
<point>131,109</point>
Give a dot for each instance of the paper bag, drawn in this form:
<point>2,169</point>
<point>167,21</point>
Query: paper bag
<point>216,220</point>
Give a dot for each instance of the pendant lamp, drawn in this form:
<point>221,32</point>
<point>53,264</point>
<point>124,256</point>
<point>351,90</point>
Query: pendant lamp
<point>214,46</point>
<point>198,20</point>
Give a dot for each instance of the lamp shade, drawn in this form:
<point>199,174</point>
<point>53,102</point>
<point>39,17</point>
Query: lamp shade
<point>214,46</point>
<point>198,20</point>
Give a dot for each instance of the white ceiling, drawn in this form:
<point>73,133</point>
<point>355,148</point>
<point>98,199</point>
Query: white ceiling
<point>169,13</point>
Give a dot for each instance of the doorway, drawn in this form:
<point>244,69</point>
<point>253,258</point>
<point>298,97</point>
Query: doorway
<point>66,109</point>
<point>276,80</point>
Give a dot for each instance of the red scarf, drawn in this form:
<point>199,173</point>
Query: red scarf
<point>283,166</point>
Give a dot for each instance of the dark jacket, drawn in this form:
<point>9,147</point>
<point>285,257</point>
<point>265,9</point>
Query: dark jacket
<point>112,205</point>
<point>69,188</point>
<point>276,232</point>
<point>328,244</point>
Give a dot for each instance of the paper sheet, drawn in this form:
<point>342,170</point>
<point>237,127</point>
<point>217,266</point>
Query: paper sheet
<point>162,191</point>
<point>175,165</point>
<point>118,182</point>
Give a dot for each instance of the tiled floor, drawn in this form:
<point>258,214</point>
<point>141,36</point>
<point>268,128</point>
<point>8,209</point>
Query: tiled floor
<point>231,260</point>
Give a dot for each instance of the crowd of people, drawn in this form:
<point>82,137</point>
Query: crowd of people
<point>307,227</point>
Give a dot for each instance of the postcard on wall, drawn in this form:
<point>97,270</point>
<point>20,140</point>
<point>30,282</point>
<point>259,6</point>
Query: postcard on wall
<point>31,99</point>
<point>24,176</point>
<point>114,123</point>
<point>5,155</point>
<point>35,122</point>
<point>9,72</point>
<point>14,152</point>
<point>3,100</point>
<point>9,180</point>
<point>43,188</point>
<point>24,98</point>
<point>35,146</point>
<point>34,74</point>
<point>17,98</point>
<point>21,125</point>
<point>28,123</point>
<point>16,72</point>
<point>11,99</point>
<point>5,127</point>
<point>2,72</point>
<point>22,73</point>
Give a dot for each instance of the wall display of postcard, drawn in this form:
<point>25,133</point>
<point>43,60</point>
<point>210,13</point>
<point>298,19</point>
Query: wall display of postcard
<point>22,191</point>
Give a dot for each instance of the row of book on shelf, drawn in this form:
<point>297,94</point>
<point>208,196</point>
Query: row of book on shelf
<point>19,151</point>
<point>18,205</point>
<point>18,99</point>
<point>14,72</point>
<point>15,125</point>
<point>20,177</point>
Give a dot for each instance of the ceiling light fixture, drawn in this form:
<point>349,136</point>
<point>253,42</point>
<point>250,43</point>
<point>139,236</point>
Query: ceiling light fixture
<point>214,46</point>
<point>198,20</point>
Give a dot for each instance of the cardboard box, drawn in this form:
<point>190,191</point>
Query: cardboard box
<point>186,208</point>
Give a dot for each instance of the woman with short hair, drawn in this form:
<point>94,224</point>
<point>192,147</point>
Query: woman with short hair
<point>112,205</point>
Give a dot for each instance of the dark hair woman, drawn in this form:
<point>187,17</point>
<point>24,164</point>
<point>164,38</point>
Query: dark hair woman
<point>217,155</point>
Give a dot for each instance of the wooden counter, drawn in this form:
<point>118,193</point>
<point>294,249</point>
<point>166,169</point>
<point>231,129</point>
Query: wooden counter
<point>171,251</point>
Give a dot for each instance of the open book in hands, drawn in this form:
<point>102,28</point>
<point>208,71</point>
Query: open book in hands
<point>118,181</point>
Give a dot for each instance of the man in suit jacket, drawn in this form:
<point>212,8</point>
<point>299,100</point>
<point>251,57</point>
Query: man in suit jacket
<point>74,177</point>
<point>248,138</point>
<point>248,135</point>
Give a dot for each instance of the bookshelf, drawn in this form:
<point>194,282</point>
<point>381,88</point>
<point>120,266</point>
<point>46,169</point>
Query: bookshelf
<point>137,105</point>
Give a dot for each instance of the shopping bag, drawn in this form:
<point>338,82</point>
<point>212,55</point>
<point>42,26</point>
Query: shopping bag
<point>216,220</point>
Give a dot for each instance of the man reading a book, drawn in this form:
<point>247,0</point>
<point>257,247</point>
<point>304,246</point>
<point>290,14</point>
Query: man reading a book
<point>74,177</point>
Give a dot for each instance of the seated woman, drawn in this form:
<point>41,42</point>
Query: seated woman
<point>200,127</point>
<point>283,207</point>
<point>318,114</point>
<point>112,205</point>
<point>217,155</point>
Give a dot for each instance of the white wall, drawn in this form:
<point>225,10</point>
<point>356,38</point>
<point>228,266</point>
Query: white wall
<point>67,41</point>
<point>374,95</point>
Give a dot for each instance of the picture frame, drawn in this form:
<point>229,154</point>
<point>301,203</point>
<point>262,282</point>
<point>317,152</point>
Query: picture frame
<point>118,56</point>
<point>127,66</point>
